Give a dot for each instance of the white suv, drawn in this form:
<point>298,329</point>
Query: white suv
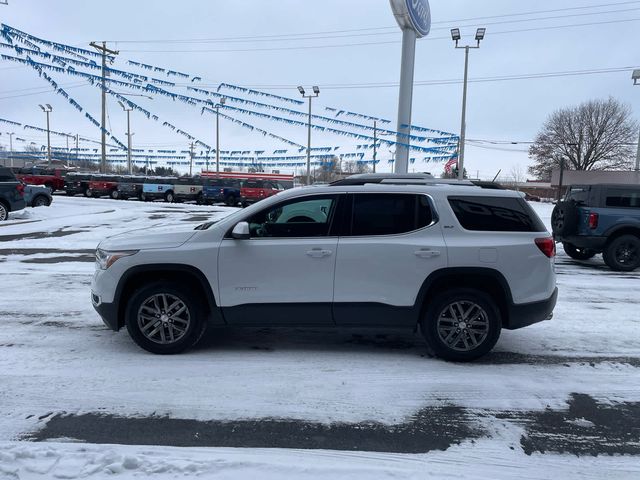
<point>459,261</point>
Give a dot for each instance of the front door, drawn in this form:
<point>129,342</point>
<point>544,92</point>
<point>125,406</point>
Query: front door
<point>282,275</point>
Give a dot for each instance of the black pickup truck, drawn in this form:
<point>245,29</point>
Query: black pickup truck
<point>11,193</point>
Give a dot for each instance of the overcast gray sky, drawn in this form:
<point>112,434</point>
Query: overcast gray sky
<point>362,46</point>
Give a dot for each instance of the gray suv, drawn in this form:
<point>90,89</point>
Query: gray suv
<point>11,193</point>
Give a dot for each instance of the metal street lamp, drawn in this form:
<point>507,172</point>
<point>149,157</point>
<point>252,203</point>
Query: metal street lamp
<point>636,81</point>
<point>128,110</point>
<point>316,92</point>
<point>47,110</point>
<point>456,37</point>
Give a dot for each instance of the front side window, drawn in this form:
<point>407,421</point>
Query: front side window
<point>495,214</point>
<point>308,217</point>
<point>389,214</point>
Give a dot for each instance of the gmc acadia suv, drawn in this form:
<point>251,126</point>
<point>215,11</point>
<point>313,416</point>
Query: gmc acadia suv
<point>458,261</point>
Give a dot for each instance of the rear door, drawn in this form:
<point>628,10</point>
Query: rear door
<point>282,275</point>
<point>390,244</point>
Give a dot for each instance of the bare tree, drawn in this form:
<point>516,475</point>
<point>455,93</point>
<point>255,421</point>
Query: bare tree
<point>596,135</point>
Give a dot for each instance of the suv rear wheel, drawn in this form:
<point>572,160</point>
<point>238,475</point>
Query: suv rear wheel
<point>461,324</point>
<point>623,253</point>
<point>164,318</point>
<point>169,197</point>
<point>4,212</point>
<point>578,253</point>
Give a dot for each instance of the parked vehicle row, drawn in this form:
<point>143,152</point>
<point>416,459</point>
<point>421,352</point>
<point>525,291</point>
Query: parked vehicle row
<point>202,190</point>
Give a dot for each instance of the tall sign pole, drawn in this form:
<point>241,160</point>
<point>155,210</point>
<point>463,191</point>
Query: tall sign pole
<point>414,19</point>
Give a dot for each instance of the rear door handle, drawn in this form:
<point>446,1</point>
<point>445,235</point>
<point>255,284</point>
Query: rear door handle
<point>319,253</point>
<point>426,253</point>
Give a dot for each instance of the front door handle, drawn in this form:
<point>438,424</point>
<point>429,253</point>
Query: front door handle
<point>426,253</point>
<point>319,253</point>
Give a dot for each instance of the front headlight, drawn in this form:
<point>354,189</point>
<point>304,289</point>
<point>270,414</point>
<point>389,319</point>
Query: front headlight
<point>105,259</point>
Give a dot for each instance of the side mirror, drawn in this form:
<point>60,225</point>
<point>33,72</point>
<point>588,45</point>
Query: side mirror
<point>241,231</point>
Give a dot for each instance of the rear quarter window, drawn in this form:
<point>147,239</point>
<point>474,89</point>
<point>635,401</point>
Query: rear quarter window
<point>623,198</point>
<point>495,214</point>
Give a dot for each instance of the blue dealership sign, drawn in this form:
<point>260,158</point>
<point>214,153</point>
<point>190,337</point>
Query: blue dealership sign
<point>420,15</point>
<point>413,14</point>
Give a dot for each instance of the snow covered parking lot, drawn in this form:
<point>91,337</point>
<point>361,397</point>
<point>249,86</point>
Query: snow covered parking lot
<point>562,396</point>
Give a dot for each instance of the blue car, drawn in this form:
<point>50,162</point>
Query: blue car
<point>37,196</point>
<point>221,190</point>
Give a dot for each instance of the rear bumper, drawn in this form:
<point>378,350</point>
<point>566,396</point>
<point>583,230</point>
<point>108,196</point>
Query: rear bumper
<point>521,316</point>
<point>17,205</point>
<point>593,243</point>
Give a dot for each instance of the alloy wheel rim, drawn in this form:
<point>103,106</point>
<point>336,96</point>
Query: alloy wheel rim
<point>3,213</point>
<point>164,318</point>
<point>463,326</point>
<point>627,254</point>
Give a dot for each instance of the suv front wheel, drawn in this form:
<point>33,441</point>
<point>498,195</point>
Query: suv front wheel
<point>164,318</point>
<point>623,253</point>
<point>461,324</point>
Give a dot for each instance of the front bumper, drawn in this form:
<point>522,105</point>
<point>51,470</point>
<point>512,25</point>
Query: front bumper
<point>107,311</point>
<point>523,315</point>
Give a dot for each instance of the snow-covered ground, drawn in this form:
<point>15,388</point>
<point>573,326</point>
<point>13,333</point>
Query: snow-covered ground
<point>58,361</point>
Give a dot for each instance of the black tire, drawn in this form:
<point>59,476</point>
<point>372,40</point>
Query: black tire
<point>231,201</point>
<point>438,322</point>
<point>40,201</point>
<point>4,212</point>
<point>578,253</point>
<point>87,192</point>
<point>169,197</point>
<point>564,219</point>
<point>143,198</point>
<point>622,254</point>
<point>115,194</point>
<point>200,199</point>
<point>195,312</point>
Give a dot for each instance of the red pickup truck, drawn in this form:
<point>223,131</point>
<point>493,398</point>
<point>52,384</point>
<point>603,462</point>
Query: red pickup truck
<point>52,178</point>
<point>253,191</point>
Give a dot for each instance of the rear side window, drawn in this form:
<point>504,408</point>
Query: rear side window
<point>623,198</point>
<point>578,194</point>
<point>389,214</point>
<point>495,214</point>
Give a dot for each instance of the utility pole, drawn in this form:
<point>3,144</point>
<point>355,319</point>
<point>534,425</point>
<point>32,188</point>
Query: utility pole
<point>104,51</point>
<point>191,163</point>
<point>67,139</point>
<point>47,110</point>
<point>77,149</point>
<point>316,92</point>
<point>375,144</point>
<point>561,179</point>
<point>218,105</point>
<point>456,36</point>
<point>636,81</point>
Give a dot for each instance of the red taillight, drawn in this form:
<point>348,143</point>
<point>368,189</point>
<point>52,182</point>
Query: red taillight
<point>20,189</point>
<point>593,221</point>
<point>547,246</point>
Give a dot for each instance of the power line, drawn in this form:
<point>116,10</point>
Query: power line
<point>44,90</point>
<point>289,36</point>
<point>394,42</point>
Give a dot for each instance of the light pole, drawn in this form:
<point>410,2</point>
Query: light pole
<point>128,110</point>
<point>316,92</point>
<point>455,35</point>
<point>47,110</point>
<point>11,148</point>
<point>636,81</point>
<point>221,103</point>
